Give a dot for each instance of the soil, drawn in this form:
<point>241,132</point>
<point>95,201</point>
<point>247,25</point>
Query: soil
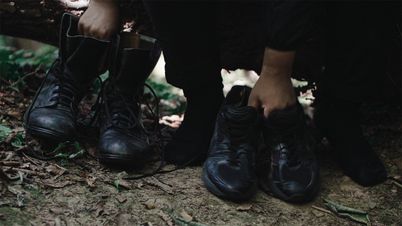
<point>80,191</point>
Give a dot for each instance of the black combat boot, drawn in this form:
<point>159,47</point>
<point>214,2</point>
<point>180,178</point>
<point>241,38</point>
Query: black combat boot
<point>338,120</point>
<point>123,139</point>
<point>52,114</point>
<point>229,171</point>
<point>293,173</point>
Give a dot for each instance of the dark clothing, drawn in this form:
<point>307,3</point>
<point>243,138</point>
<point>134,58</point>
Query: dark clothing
<point>201,37</point>
<point>358,38</point>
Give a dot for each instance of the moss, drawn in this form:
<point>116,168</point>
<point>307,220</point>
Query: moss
<point>13,216</point>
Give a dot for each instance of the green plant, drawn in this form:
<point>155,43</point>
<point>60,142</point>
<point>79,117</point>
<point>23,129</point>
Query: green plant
<point>16,65</point>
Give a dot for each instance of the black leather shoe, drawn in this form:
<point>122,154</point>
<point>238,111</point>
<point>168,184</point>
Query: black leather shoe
<point>123,138</point>
<point>293,175</point>
<point>52,114</point>
<point>229,169</point>
<point>339,122</point>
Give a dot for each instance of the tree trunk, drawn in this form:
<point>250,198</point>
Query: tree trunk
<point>39,19</point>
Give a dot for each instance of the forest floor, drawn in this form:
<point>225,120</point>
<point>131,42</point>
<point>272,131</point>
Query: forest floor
<point>74,189</point>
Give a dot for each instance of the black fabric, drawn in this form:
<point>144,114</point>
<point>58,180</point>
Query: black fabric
<point>188,36</point>
<point>199,38</point>
<point>358,36</point>
<point>290,23</point>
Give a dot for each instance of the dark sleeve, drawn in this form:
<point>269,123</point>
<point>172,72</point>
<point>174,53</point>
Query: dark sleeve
<point>241,26</point>
<point>291,22</point>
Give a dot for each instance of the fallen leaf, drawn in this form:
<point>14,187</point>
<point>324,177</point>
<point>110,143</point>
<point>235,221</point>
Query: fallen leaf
<point>91,181</point>
<point>51,183</point>
<point>4,132</point>
<point>121,199</point>
<point>186,217</point>
<point>156,183</point>
<point>166,218</point>
<point>244,207</point>
<point>121,183</point>
<point>347,212</point>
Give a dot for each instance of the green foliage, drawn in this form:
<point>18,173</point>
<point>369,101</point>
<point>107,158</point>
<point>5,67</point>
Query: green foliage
<point>14,64</point>
<point>164,91</point>
<point>76,150</point>
<point>19,140</point>
<point>4,132</point>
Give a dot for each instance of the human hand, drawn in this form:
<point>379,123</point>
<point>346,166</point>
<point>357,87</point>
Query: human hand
<point>273,89</point>
<point>100,20</point>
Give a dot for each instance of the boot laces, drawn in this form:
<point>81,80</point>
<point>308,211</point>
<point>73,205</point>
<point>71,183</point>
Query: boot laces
<point>239,131</point>
<point>293,145</point>
<point>123,110</point>
<point>65,91</point>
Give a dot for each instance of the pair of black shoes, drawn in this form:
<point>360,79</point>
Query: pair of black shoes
<point>53,113</point>
<point>339,121</point>
<point>289,171</point>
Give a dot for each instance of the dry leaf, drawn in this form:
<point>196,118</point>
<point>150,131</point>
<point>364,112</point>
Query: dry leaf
<point>244,207</point>
<point>121,199</point>
<point>186,217</point>
<point>91,181</point>
<point>166,218</point>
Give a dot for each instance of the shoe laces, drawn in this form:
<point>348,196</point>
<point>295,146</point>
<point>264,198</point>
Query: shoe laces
<point>65,91</point>
<point>122,110</point>
<point>292,143</point>
<point>238,130</point>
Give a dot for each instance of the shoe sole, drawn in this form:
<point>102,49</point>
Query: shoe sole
<point>47,134</point>
<point>296,198</point>
<point>119,161</point>
<point>211,187</point>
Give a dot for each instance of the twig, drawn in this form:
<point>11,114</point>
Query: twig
<point>26,171</point>
<point>29,159</point>
<point>321,209</point>
<point>397,184</point>
<point>24,77</point>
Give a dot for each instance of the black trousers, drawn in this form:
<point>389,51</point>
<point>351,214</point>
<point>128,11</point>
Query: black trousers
<point>201,37</point>
<point>358,38</point>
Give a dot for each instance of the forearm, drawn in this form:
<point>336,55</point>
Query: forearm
<point>277,63</point>
<point>114,2</point>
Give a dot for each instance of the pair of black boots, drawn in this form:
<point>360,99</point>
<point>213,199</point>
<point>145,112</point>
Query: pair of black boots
<point>288,170</point>
<point>53,113</point>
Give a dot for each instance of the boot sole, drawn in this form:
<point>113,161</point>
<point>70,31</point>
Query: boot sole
<point>211,187</point>
<point>47,134</point>
<point>119,161</point>
<point>296,198</point>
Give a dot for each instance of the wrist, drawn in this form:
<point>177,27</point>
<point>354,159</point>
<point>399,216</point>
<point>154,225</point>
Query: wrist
<point>108,3</point>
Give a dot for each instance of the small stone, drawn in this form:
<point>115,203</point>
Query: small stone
<point>150,204</point>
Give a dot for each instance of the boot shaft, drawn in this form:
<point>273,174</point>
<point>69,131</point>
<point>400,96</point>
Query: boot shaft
<point>82,58</point>
<point>134,59</point>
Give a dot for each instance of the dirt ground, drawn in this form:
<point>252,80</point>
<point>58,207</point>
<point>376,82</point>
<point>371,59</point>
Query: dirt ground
<point>80,191</point>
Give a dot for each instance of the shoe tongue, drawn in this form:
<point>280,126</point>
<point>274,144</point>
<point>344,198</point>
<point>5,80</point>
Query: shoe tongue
<point>286,118</point>
<point>241,115</point>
